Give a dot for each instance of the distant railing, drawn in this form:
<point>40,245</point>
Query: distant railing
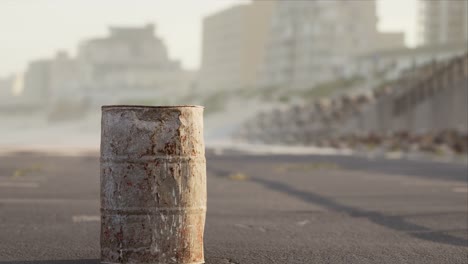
<point>388,114</point>
<point>442,78</point>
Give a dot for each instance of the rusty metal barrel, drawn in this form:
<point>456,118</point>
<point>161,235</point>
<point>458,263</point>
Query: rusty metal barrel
<point>153,184</point>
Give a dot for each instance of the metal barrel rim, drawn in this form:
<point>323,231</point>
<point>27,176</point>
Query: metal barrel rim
<point>107,107</point>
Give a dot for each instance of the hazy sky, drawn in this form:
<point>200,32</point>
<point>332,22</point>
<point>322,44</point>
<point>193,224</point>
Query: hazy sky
<point>32,29</point>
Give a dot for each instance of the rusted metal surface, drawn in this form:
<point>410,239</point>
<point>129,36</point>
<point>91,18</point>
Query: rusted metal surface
<point>153,185</point>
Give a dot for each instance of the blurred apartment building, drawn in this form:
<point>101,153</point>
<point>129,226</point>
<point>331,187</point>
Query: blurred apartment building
<point>130,58</point>
<point>443,21</point>
<point>5,87</point>
<point>443,26</point>
<point>10,99</point>
<point>316,41</point>
<point>294,43</point>
<point>44,76</point>
<point>131,64</point>
<point>6,92</point>
<point>234,45</point>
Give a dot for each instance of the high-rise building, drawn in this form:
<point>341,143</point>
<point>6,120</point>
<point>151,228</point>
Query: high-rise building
<point>293,43</point>
<point>315,41</point>
<point>390,41</point>
<point>234,44</point>
<point>444,21</point>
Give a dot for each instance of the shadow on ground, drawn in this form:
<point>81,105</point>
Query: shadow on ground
<point>397,223</point>
<point>80,261</point>
<point>96,261</point>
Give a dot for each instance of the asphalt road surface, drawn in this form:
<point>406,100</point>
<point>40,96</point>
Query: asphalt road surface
<point>261,209</point>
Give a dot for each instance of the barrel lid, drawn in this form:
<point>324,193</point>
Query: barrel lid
<point>149,106</point>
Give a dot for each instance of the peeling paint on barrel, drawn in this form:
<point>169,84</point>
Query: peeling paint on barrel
<point>153,185</point>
